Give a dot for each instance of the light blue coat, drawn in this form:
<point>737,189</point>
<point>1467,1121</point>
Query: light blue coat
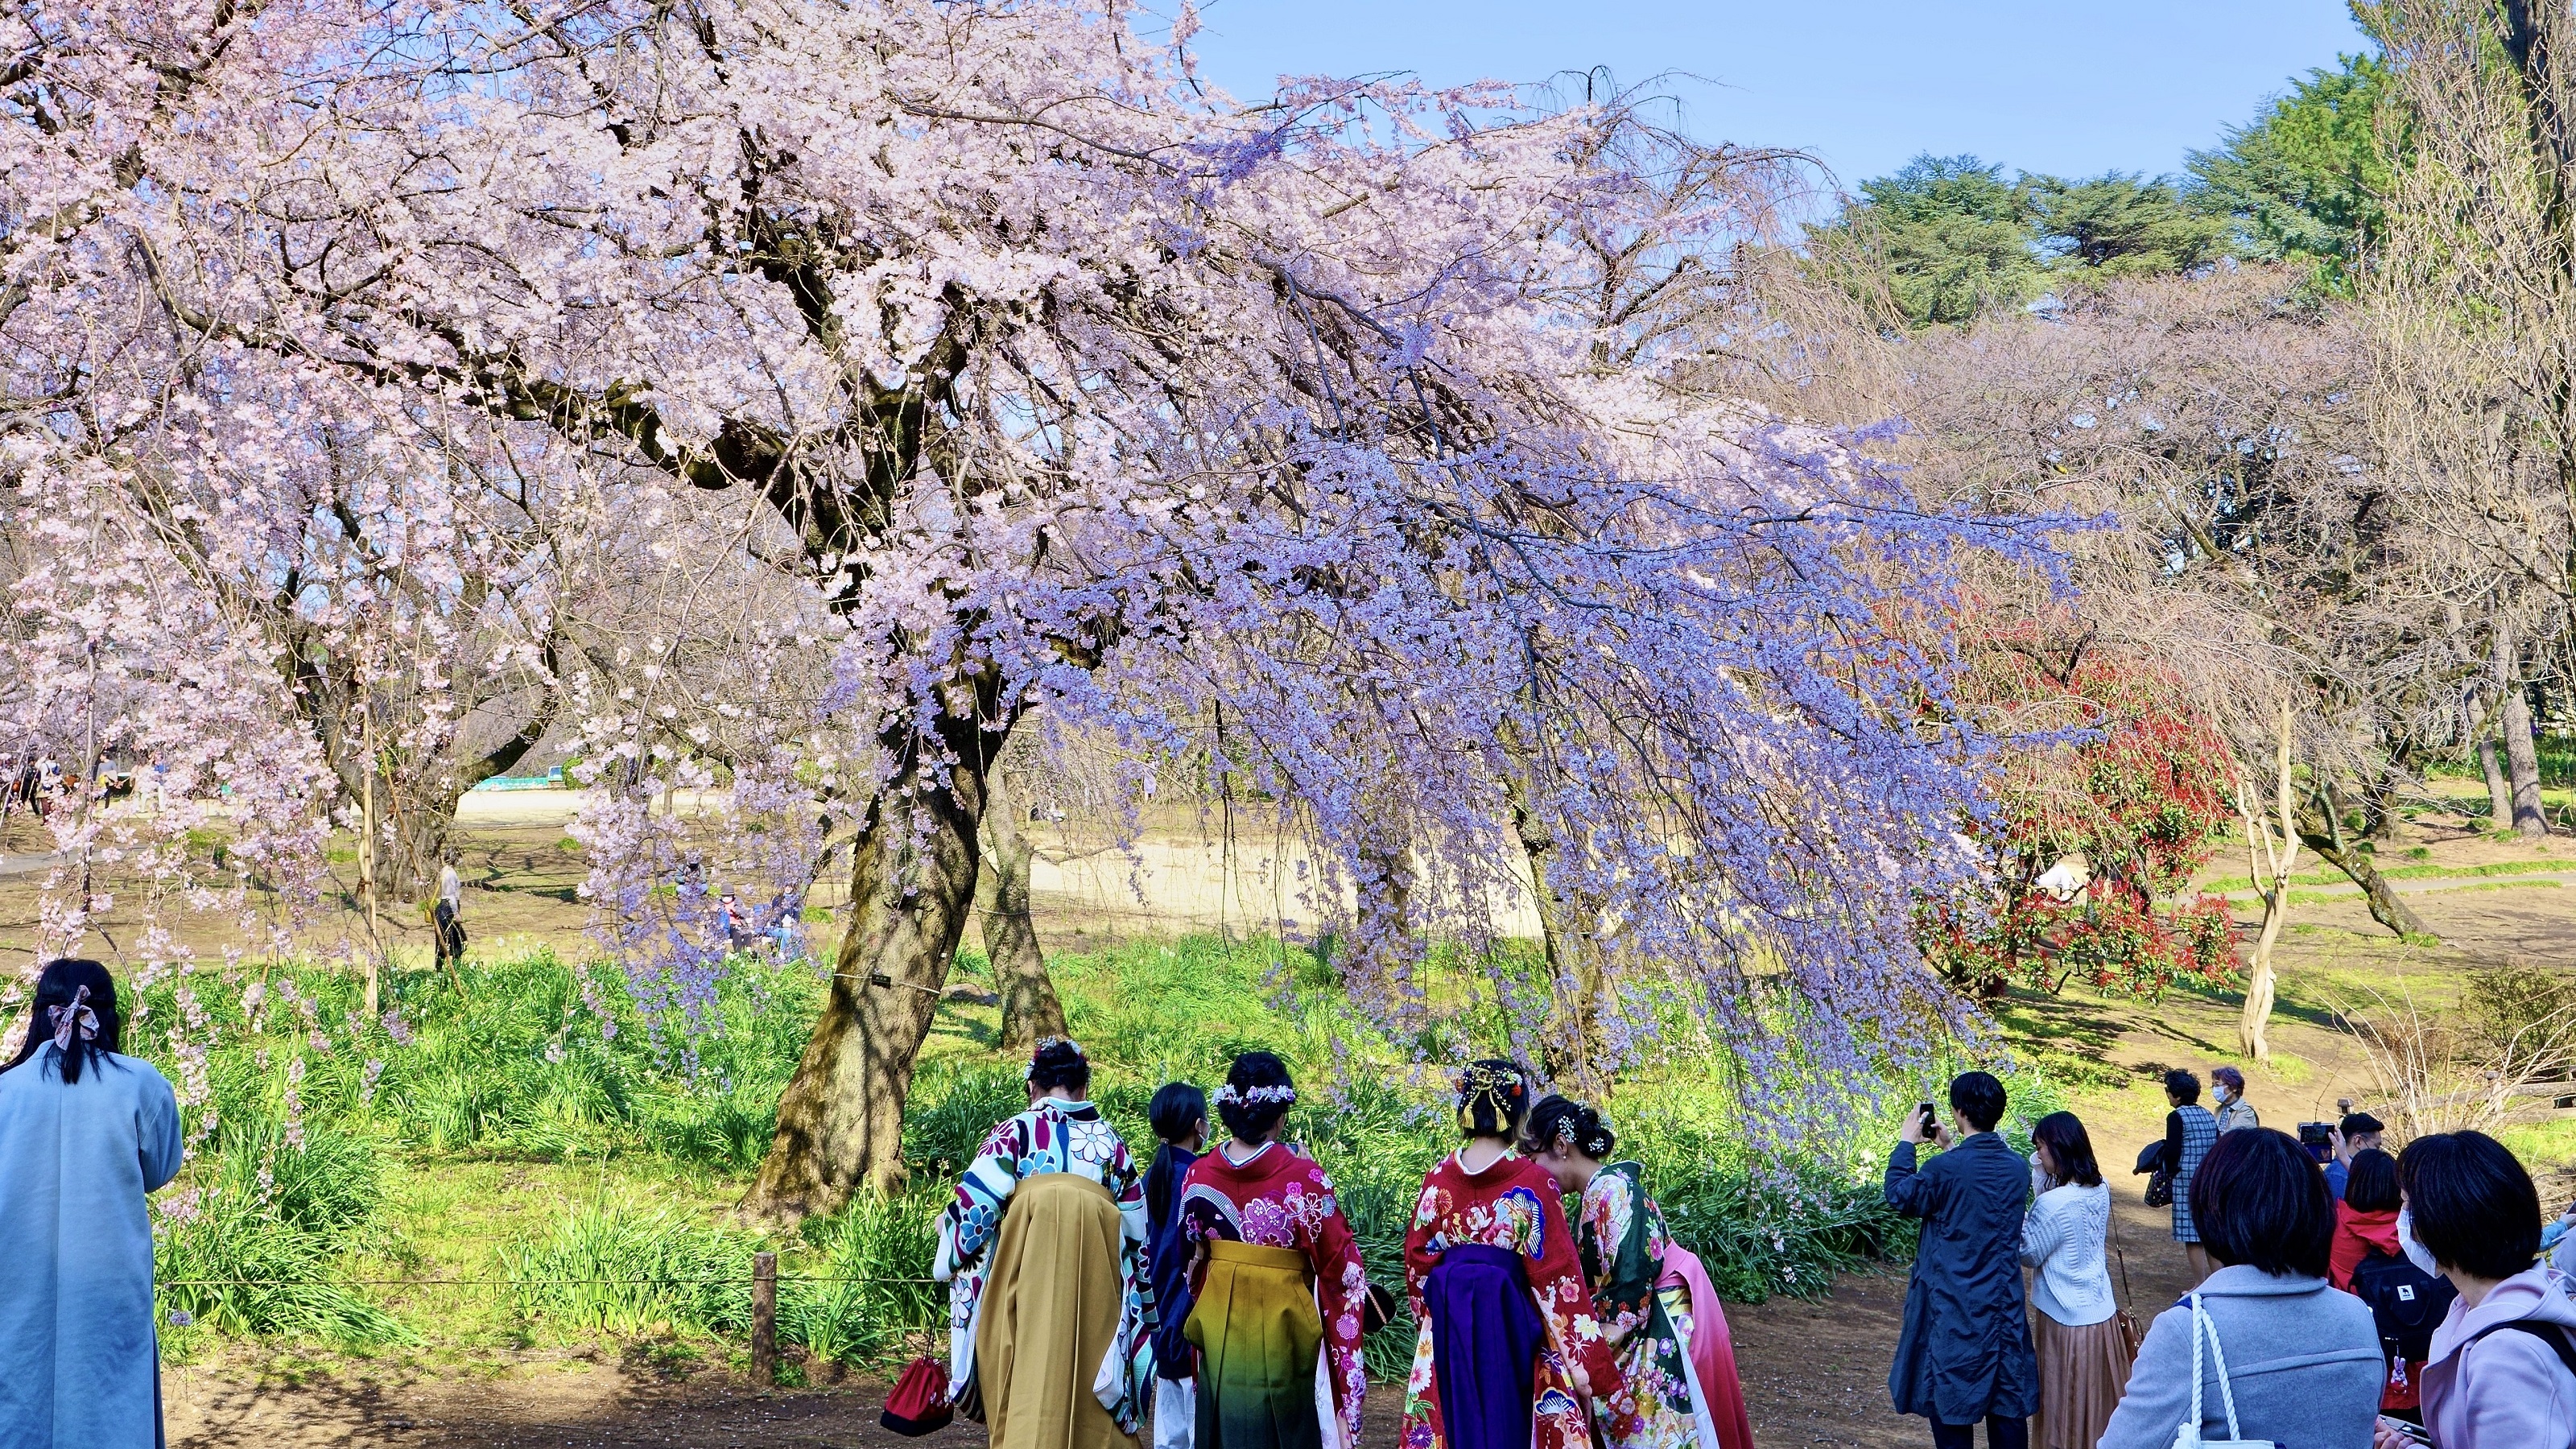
<point>80,1364</point>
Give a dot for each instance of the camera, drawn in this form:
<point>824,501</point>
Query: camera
<point>2318,1138</point>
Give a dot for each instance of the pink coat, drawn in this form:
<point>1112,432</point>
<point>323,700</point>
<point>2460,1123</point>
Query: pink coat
<point>2508,1391</point>
<point>1712,1348</point>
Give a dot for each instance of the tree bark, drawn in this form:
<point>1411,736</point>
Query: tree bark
<point>912,885</point>
<point>1576,1051</point>
<point>2522,761</point>
<point>2272,869</point>
<point>1031,1010</point>
<point>2499,792</point>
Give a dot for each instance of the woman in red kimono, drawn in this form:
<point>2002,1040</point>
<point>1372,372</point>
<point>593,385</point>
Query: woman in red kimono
<point>1508,1337</point>
<point>1276,1284</point>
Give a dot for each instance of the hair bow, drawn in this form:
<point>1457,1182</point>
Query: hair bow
<point>75,1017</point>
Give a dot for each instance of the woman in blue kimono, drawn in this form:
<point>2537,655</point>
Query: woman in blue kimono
<point>84,1134</point>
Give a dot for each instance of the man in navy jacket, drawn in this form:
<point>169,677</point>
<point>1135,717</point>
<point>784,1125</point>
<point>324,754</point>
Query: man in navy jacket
<point>1966,1352</point>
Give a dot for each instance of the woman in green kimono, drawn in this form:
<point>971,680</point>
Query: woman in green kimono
<point>1649,1397</point>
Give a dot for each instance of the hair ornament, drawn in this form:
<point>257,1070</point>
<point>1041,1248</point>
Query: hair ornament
<point>1233,1096</point>
<point>1045,1044</point>
<point>1565,1131</point>
<point>75,1017</point>
<point>1479,1079</point>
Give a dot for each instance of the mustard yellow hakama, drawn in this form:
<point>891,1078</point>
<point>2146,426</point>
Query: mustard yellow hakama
<point>1049,1317</point>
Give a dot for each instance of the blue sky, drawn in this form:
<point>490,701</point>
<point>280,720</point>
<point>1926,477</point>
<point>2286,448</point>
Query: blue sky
<point>2071,88</point>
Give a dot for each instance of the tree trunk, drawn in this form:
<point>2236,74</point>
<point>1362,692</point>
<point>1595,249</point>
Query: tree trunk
<point>2275,866</point>
<point>2499,793</point>
<point>1576,1051</point>
<point>1031,1010</point>
<point>2322,832</point>
<point>912,885</point>
<point>2522,761</point>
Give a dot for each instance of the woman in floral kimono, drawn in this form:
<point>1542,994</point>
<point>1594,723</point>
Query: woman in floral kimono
<point>1051,1316</point>
<point>1275,1280</point>
<point>1671,1380</point>
<point>1507,1331</point>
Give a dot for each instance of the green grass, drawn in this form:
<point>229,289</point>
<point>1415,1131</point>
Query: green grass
<point>529,1164</point>
<point>2235,883</point>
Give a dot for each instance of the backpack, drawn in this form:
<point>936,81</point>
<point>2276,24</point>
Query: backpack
<point>2405,1302</point>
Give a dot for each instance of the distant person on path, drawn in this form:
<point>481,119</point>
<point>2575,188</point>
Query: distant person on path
<point>1043,1248</point>
<point>2189,1134</point>
<point>2369,1261</point>
<point>2234,1114</point>
<point>1179,1116</point>
<point>2357,1133</point>
<point>1507,1327</point>
<point>2503,1368</point>
<point>2083,1361</point>
<point>2301,1360</point>
<point>447,917</point>
<point>84,1134</point>
<point>1276,1288</point>
<point>1965,1354</point>
<point>1666,1376</point>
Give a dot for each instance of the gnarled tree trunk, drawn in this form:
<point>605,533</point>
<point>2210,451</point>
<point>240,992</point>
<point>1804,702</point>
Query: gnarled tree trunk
<point>2499,791</point>
<point>1031,1010</point>
<point>2322,832</point>
<point>2272,866</point>
<point>2522,761</point>
<point>1576,1051</point>
<point>912,884</point>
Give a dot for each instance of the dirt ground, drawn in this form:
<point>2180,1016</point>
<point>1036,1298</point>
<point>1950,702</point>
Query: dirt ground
<point>1814,1370</point>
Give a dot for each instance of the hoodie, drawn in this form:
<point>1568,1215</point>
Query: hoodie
<point>2355,1236</point>
<point>2508,1390</point>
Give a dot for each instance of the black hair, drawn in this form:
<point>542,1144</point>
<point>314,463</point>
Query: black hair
<point>61,985</point>
<point>1978,1097</point>
<point>2071,1146</point>
<point>2474,1207</point>
<point>2182,1086</point>
<point>2258,1199</point>
<point>2356,1123</point>
<point>2370,1182</point>
<point>1176,1111</point>
<point>1561,1122</point>
<point>1059,1063</point>
<point>1251,1121</point>
<point>1493,1096</point>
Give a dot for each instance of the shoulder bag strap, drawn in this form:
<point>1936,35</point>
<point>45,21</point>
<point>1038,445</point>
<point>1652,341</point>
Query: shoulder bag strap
<point>2188,1436</point>
<point>2548,1333</point>
<point>2128,1303</point>
<point>2218,1365</point>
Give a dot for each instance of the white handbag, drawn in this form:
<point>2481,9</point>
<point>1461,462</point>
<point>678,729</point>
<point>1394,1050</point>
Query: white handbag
<point>2188,1436</point>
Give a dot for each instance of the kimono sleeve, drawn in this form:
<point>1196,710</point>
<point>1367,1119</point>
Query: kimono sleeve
<point>1624,1285</point>
<point>1341,1292</point>
<point>1127,1185</point>
<point>156,1120</point>
<point>974,1213</point>
<point>1422,1240</point>
<point>1556,1281</point>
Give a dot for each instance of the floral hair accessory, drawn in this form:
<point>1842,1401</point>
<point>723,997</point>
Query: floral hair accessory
<point>1044,1043</point>
<point>1480,1079</point>
<point>1564,1132</point>
<point>1230,1095</point>
<point>75,1017</point>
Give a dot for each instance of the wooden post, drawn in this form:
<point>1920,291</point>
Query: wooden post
<point>764,1319</point>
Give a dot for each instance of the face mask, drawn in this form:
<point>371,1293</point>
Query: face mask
<point>2414,1251</point>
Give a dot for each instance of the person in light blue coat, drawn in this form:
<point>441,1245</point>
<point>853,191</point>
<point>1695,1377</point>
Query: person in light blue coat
<point>84,1134</point>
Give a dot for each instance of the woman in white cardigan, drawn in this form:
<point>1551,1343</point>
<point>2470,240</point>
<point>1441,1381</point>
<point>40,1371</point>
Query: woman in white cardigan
<point>2083,1362</point>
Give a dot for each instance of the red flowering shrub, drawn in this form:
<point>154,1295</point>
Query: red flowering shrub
<point>2127,786</point>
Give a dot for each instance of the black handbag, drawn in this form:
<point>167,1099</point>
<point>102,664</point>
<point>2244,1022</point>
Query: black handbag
<point>2151,1159</point>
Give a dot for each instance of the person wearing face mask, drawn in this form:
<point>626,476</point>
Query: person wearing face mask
<point>2502,1374</point>
<point>2227,1088</point>
<point>2369,1261</point>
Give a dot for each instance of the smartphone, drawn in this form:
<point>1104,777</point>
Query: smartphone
<point>1931,1123</point>
<point>2411,1433</point>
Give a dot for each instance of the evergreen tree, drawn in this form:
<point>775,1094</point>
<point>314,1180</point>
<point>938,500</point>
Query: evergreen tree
<point>2120,226</point>
<point>1947,238</point>
<point>2304,181</point>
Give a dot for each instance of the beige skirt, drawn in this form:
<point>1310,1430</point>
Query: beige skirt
<point>2082,1372</point>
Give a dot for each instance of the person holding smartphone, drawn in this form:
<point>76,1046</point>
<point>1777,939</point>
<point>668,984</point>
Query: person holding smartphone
<point>1965,1354</point>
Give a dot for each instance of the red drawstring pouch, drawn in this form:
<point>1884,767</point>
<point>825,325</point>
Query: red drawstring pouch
<point>919,1404</point>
